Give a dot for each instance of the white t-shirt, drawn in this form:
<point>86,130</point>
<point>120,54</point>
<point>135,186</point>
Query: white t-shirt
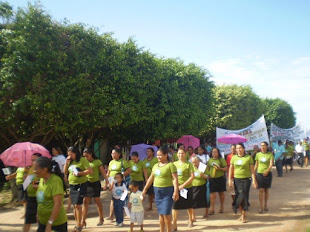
<point>117,190</point>
<point>204,158</point>
<point>61,160</point>
<point>299,148</point>
<point>136,202</point>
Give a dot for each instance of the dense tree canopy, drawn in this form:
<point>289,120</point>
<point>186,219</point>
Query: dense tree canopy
<point>67,81</point>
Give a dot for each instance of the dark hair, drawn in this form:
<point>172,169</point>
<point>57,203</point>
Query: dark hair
<point>265,143</point>
<point>37,154</point>
<point>52,167</point>
<point>190,147</point>
<point>233,145</point>
<point>134,183</point>
<point>77,153</point>
<point>135,154</point>
<point>164,150</point>
<point>242,145</point>
<point>119,174</point>
<point>150,148</point>
<point>117,151</point>
<point>202,147</point>
<point>182,149</point>
<point>179,145</point>
<point>57,148</point>
<point>90,151</point>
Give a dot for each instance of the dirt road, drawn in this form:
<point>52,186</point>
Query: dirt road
<point>289,210</point>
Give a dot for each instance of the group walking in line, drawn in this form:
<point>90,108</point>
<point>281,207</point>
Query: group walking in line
<point>176,180</point>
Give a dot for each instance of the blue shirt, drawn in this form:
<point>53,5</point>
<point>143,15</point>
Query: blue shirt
<point>278,151</point>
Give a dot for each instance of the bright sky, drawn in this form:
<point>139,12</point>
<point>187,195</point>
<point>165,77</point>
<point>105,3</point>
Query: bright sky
<point>262,43</point>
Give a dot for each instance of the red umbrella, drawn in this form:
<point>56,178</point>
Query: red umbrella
<point>19,155</point>
<point>232,139</point>
<point>189,140</point>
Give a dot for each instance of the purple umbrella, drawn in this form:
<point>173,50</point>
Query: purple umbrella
<point>141,149</point>
<point>232,139</point>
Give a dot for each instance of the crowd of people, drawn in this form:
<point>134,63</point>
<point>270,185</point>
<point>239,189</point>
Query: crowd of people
<point>175,179</point>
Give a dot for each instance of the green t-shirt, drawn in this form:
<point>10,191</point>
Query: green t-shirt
<point>176,158</point>
<point>81,165</point>
<point>31,192</point>
<point>45,193</point>
<point>136,173</point>
<point>306,146</point>
<point>150,164</point>
<point>184,171</point>
<point>242,166</point>
<point>163,175</point>
<point>290,151</point>
<point>20,176</point>
<point>263,160</point>
<point>95,164</point>
<point>115,166</point>
<point>220,162</point>
<point>198,181</point>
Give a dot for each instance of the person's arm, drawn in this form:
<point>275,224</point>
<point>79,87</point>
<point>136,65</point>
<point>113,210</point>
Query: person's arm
<point>127,172</point>
<point>145,174</point>
<point>148,184</point>
<point>269,168</point>
<point>175,195</point>
<point>102,171</point>
<point>66,172</point>
<point>256,165</point>
<point>253,176</point>
<point>189,180</point>
<point>108,173</point>
<point>85,172</point>
<point>230,177</point>
<point>11,176</point>
<point>55,211</point>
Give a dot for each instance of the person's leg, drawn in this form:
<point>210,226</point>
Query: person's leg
<point>167,220</point>
<point>190,216</point>
<point>222,199</point>
<point>99,208</point>
<point>85,210</point>
<point>281,167</point>
<point>175,218</point>
<point>131,227</point>
<point>69,204</point>
<point>243,215</point>
<point>212,202</point>
<point>111,211</point>
<point>117,210</point>
<point>193,215</point>
<point>26,227</point>
<point>266,199</point>
<point>141,227</point>
<point>151,199</point>
<point>78,219</point>
<point>261,199</point>
<point>162,223</point>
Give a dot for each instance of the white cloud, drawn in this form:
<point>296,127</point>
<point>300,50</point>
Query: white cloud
<point>285,78</point>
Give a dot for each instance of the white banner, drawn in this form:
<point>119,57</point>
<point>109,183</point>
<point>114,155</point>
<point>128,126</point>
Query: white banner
<point>293,134</point>
<point>255,133</point>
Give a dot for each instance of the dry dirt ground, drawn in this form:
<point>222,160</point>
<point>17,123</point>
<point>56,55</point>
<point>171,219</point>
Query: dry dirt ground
<point>289,210</point>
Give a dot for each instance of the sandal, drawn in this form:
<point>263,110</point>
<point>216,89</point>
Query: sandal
<point>260,211</point>
<point>100,223</point>
<point>211,213</point>
<point>221,211</point>
<point>266,209</point>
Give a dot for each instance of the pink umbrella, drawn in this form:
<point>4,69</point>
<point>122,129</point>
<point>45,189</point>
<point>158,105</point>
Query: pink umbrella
<point>232,139</point>
<point>19,155</point>
<point>189,140</point>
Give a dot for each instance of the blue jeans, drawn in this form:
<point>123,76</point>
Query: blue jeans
<point>118,210</point>
<point>279,165</point>
<point>301,159</point>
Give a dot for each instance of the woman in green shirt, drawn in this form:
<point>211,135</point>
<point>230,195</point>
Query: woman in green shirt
<point>78,169</point>
<point>217,167</point>
<point>116,165</point>
<point>94,185</point>
<point>200,188</point>
<point>263,165</point>
<point>50,194</point>
<point>241,166</point>
<point>186,176</point>
<point>138,170</point>
<point>149,162</point>
<point>164,176</point>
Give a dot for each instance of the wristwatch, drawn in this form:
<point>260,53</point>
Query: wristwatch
<point>50,222</point>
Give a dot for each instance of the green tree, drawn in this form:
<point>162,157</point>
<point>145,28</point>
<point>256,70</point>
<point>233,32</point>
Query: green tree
<point>278,112</point>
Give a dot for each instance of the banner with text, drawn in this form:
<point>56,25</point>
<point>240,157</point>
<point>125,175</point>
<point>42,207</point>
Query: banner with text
<point>255,133</point>
<point>293,134</point>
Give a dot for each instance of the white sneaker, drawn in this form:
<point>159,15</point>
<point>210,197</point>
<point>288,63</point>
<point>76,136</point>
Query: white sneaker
<point>115,224</point>
<point>120,225</point>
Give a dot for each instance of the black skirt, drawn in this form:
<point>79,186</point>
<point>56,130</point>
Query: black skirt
<point>60,228</point>
<point>264,181</point>
<point>21,194</point>
<point>77,193</point>
<point>183,203</point>
<point>200,197</point>
<point>150,190</point>
<point>31,210</point>
<point>242,189</point>
<point>218,184</point>
<point>93,189</point>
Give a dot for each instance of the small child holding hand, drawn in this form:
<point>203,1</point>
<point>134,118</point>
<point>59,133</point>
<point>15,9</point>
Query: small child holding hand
<point>135,202</point>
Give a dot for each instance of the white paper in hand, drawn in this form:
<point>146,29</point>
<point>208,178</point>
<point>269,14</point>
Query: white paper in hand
<point>75,172</point>
<point>183,193</point>
<point>202,167</point>
<point>141,197</point>
<point>7,171</point>
<point>124,195</point>
<point>127,211</point>
<point>27,181</point>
